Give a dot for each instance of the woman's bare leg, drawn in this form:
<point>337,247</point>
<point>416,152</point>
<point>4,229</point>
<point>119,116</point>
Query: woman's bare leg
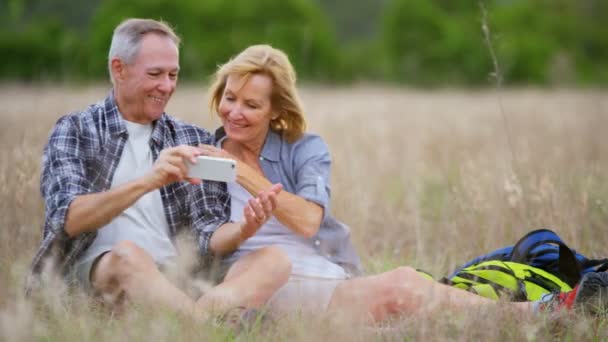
<point>250,281</point>
<point>402,291</point>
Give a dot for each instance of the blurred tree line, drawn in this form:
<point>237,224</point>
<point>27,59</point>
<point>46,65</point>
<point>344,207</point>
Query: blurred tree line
<point>419,42</point>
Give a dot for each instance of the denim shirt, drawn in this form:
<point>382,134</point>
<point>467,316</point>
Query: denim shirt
<point>303,168</point>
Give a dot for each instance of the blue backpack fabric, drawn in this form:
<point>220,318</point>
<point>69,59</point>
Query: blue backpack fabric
<point>545,250</point>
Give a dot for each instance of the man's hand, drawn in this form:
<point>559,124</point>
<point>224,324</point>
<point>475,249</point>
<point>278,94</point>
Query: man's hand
<point>259,210</point>
<point>171,166</point>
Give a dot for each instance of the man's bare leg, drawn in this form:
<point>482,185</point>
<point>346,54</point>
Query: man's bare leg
<point>129,271</point>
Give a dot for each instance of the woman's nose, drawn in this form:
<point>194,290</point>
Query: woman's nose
<point>234,111</point>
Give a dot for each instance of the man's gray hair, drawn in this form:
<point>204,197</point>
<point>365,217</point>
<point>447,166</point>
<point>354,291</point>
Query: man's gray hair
<point>127,37</point>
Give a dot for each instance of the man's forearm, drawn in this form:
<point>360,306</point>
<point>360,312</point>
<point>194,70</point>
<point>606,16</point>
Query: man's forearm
<point>92,211</point>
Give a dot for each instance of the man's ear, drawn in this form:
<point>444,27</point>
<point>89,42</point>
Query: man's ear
<point>118,69</point>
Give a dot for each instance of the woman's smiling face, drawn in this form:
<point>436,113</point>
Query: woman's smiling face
<point>246,108</point>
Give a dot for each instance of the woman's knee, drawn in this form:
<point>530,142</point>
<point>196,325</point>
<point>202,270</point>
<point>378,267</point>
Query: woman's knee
<point>277,257</point>
<point>401,290</point>
<point>404,274</point>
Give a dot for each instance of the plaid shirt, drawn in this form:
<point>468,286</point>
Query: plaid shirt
<point>81,157</point>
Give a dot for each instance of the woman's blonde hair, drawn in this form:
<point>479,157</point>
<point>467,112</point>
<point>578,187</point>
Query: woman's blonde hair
<point>288,116</point>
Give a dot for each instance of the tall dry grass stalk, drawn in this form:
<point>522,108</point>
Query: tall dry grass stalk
<point>419,176</point>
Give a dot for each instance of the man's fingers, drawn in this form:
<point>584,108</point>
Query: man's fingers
<point>209,150</point>
<point>178,162</point>
<point>212,151</point>
<point>173,171</point>
<point>194,181</point>
<point>185,151</point>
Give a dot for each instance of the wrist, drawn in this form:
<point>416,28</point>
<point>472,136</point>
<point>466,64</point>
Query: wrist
<point>145,184</point>
<point>242,235</point>
<point>252,181</point>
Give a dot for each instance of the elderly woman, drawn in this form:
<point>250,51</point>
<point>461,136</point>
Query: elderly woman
<point>263,127</point>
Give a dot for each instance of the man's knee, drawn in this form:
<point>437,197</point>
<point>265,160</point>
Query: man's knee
<point>124,260</point>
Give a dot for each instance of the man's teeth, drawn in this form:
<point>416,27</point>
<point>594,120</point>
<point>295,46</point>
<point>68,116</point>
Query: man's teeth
<point>156,99</point>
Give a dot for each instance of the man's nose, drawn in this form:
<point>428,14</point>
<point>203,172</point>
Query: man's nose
<point>167,84</point>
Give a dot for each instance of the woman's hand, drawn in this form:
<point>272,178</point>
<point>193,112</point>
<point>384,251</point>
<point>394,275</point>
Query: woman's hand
<point>259,210</point>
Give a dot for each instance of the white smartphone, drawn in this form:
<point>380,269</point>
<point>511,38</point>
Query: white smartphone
<point>213,169</point>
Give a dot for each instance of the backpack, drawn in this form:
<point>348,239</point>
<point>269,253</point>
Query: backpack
<point>497,279</point>
<point>539,263</point>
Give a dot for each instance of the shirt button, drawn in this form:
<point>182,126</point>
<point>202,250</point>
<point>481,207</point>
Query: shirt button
<point>261,158</point>
<point>317,242</point>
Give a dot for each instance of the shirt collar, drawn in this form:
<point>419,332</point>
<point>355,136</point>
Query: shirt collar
<point>113,116</point>
<point>272,146</point>
<point>158,132</point>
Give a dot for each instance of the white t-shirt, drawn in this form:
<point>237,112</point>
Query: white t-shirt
<point>304,258</point>
<point>143,223</point>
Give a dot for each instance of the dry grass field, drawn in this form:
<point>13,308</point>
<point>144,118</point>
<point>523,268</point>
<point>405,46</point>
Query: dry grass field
<point>428,179</point>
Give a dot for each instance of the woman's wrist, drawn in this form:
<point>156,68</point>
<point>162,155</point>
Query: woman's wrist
<point>242,236</point>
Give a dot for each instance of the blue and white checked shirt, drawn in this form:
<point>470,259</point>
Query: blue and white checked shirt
<point>81,157</point>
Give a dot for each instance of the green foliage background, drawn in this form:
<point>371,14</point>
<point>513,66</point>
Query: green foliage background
<point>417,42</point>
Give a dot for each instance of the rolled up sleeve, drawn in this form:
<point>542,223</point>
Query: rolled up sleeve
<point>63,175</point>
<point>312,165</point>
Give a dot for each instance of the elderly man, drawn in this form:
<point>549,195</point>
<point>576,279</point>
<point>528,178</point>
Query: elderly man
<point>116,190</point>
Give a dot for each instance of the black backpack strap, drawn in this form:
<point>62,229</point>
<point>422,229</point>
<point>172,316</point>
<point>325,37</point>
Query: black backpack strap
<point>569,268</point>
<point>594,265</point>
